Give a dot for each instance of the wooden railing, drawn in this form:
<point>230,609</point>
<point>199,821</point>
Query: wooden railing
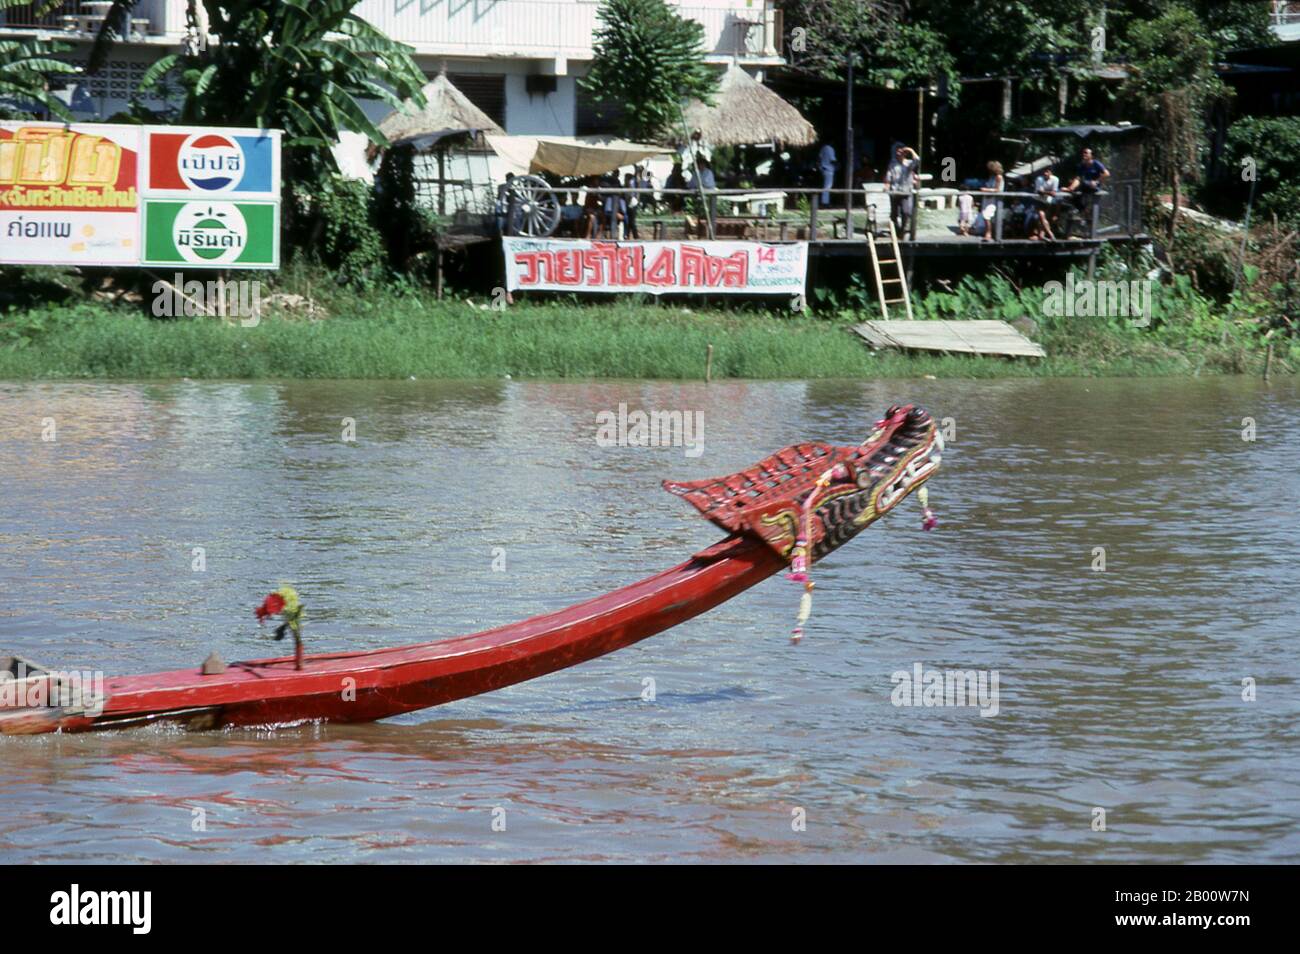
<point>843,207</point>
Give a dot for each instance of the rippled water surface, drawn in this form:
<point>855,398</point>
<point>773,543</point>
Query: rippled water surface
<point>1119,690</point>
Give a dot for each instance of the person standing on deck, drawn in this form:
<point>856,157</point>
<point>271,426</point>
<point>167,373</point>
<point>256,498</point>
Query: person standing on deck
<point>826,163</point>
<point>694,150</point>
<point>992,205</point>
<point>1091,175</point>
<point>707,181</point>
<point>634,181</point>
<point>1088,180</point>
<point>902,178</point>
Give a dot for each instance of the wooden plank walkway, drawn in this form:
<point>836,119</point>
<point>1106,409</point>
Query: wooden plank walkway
<point>957,337</point>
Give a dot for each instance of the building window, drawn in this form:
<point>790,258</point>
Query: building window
<point>486,91</point>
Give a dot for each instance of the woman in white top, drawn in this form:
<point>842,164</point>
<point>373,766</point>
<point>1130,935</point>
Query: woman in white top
<point>990,208</point>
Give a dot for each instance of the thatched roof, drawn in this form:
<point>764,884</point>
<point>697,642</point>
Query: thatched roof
<point>446,108</point>
<point>746,111</point>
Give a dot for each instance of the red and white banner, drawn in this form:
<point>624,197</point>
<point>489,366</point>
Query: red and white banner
<point>656,268</point>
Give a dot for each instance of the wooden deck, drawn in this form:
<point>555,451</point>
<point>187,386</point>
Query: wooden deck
<point>954,337</point>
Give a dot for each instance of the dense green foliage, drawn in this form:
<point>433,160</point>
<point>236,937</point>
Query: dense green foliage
<point>915,42</point>
<point>1268,147</point>
<point>302,66</point>
<point>888,47</point>
<point>334,225</point>
<point>1171,84</point>
<point>647,61</point>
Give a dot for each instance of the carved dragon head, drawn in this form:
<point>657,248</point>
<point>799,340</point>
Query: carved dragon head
<point>824,493</point>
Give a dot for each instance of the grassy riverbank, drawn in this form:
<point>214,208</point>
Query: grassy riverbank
<point>399,333</point>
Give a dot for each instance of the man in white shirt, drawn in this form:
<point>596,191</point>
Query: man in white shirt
<point>1046,185</point>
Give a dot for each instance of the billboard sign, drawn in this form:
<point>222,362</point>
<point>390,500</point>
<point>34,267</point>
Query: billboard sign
<point>68,194</point>
<point>210,234</point>
<point>656,268</point>
<point>104,194</point>
<point>234,163</point>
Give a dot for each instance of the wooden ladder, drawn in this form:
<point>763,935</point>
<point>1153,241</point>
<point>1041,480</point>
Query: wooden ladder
<point>897,282</point>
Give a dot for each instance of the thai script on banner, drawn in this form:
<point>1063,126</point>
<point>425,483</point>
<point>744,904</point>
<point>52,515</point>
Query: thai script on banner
<point>657,268</point>
<point>108,194</point>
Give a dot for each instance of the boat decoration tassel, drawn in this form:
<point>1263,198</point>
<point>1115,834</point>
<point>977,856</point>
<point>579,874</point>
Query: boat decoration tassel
<point>928,520</point>
<point>799,565</point>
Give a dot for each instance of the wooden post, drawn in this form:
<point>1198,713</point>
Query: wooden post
<point>812,220</point>
<point>442,182</point>
<point>1268,361</point>
<point>848,154</point>
<point>783,229</point>
<point>203,309</point>
<point>708,364</point>
<point>920,124</point>
<point>997,219</point>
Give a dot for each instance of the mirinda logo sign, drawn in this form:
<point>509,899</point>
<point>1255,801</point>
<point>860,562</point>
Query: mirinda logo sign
<point>213,162</point>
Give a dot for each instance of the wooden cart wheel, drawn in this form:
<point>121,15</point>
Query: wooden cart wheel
<point>537,208</point>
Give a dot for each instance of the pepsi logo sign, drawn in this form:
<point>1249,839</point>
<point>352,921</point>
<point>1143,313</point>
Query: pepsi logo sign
<point>211,162</point>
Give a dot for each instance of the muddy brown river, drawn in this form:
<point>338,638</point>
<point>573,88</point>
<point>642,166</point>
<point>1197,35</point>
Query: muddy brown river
<point>1144,712</point>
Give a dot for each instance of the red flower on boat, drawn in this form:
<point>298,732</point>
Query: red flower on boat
<point>270,606</point>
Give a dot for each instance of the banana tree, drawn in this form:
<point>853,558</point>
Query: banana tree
<point>302,66</point>
<point>25,70</point>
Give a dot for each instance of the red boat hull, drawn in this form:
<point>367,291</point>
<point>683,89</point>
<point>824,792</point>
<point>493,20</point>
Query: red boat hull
<point>796,505</point>
<point>364,686</point>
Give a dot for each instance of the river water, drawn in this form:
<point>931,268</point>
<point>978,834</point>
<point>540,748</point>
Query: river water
<point>460,506</point>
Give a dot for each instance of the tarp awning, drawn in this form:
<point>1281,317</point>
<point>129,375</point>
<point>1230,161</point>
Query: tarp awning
<point>570,155</point>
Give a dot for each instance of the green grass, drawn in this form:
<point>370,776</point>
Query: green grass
<point>398,333</point>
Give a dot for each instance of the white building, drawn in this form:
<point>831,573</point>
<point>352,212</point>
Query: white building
<point>518,60</point>
<point>1286,20</point>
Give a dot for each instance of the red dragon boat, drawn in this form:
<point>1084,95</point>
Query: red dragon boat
<point>789,509</point>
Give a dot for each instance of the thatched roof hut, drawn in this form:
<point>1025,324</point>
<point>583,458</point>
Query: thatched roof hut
<point>446,108</point>
<point>744,111</point>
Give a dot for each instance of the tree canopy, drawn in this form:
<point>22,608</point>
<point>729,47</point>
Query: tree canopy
<point>302,66</point>
<point>916,42</point>
<point>647,62</point>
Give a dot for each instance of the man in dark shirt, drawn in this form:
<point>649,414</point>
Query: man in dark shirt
<point>1091,176</point>
<point>1088,181</point>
